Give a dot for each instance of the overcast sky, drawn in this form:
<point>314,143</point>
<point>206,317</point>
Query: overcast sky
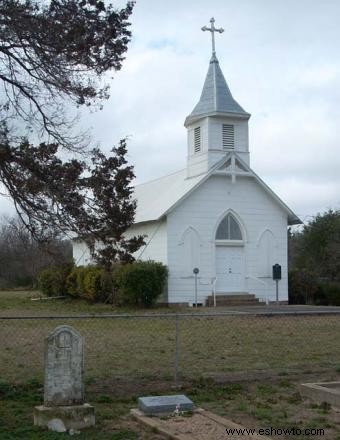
<point>281,60</point>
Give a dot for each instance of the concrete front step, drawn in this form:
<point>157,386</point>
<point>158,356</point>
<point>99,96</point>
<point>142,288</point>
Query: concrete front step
<point>225,300</point>
<point>237,297</point>
<point>237,303</point>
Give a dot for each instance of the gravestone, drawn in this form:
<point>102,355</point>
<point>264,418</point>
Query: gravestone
<point>64,368</point>
<point>64,381</point>
<point>154,405</point>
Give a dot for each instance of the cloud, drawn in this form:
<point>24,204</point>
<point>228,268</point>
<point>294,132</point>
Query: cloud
<point>278,68</point>
<point>281,61</point>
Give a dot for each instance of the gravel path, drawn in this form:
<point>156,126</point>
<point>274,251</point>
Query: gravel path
<point>202,425</point>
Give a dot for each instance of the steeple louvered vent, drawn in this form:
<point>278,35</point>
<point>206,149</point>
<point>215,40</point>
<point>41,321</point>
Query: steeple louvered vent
<point>197,139</point>
<point>228,137</point>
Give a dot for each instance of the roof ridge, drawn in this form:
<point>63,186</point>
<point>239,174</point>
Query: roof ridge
<point>160,178</point>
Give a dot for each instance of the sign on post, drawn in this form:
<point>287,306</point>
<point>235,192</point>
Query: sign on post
<point>276,272</point>
<point>196,272</point>
<point>277,277</point>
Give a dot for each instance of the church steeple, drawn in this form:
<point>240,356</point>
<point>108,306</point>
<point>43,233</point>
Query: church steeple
<point>218,123</point>
<point>216,98</point>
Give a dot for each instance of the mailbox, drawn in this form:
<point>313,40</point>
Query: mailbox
<point>276,272</point>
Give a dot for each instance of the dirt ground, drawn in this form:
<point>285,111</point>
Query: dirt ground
<point>253,401</point>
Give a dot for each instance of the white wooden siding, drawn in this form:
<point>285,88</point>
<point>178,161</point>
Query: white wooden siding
<point>203,124</point>
<point>212,143</point>
<point>267,252</point>
<point>202,210</point>
<point>201,213</point>
<point>156,240</point>
<point>81,253</point>
<point>241,141</point>
<point>190,250</point>
<point>155,248</point>
<point>200,162</point>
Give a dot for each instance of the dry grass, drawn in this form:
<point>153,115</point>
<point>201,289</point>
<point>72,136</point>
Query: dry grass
<point>136,347</point>
<point>128,356</point>
<point>19,303</point>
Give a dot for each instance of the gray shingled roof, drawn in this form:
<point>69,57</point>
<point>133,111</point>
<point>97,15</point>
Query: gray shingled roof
<point>216,97</point>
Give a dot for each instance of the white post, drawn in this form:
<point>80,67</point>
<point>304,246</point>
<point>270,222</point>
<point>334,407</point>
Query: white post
<point>196,272</point>
<point>214,291</point>
<point>196,290</point>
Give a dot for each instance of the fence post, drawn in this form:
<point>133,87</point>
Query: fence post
<point>177,350</point>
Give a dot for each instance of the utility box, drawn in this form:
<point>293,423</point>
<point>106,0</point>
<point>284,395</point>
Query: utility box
<point>276,272</point>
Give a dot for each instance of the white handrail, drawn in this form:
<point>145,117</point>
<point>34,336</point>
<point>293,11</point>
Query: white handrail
<point>214,279</point>
<point>265,286</point>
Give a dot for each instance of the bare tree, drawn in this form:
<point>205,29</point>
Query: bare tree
<point>22,258</point>
<point>56,53</point>
<point>53,54</point>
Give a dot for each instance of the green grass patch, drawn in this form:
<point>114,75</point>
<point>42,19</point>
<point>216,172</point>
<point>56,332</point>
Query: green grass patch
<point>16,415</point>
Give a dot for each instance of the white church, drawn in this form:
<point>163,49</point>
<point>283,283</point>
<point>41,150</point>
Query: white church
<point>216,214</point>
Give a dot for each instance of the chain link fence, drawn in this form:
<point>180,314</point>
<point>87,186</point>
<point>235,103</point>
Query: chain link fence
<point>177,347</point>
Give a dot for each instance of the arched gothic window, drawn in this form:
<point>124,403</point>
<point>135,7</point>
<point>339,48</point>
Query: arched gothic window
<point>266,254</point>
<point>228,229</point>
<point>191,251</point>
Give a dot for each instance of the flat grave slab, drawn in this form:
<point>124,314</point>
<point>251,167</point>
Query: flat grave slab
<point>154,405</point>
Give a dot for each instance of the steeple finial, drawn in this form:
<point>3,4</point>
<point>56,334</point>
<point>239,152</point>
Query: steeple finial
<point>212,29</point>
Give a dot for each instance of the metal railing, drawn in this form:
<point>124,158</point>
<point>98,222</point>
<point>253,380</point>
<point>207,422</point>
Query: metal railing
<point>263,283</point>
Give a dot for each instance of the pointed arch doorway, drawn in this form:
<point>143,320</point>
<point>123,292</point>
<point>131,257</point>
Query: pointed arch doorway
<point>229,256</point>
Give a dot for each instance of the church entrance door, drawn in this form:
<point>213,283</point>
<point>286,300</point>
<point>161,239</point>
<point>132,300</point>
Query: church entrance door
<point>229,269</point>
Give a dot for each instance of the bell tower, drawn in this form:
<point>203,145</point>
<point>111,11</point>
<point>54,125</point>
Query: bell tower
<point>218,124</point>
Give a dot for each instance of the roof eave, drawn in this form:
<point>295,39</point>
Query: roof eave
<point>293,219</point>
<point>194,118</point>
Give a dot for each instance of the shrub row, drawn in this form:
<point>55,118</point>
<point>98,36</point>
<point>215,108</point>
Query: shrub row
<point>91,282</point>
<point>52,281</point>
<point>306,288</point>
<point>140,283</point>
<point>136,284</point>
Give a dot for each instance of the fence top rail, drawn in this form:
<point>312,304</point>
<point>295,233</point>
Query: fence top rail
<point>240,314</point>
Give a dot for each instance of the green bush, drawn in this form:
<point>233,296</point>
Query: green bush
<point>139,283</point>
<point>91,282</point>
<point>52,280</point>
<point>331,293</point>
<point>302,287</point>
<point>306,288</point>
<point>75,281</point>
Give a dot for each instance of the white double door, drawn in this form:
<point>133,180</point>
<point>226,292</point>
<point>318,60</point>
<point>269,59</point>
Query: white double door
<point>229,269</point>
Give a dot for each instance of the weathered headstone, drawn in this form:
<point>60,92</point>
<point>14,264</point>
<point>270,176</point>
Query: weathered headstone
<point>64,382</point>
<point>64,368</point>
<point>153,405</point>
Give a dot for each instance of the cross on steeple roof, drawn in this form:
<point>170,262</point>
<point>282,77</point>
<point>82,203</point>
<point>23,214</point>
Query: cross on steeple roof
<point>212,29</point>
<point>216,98</point>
